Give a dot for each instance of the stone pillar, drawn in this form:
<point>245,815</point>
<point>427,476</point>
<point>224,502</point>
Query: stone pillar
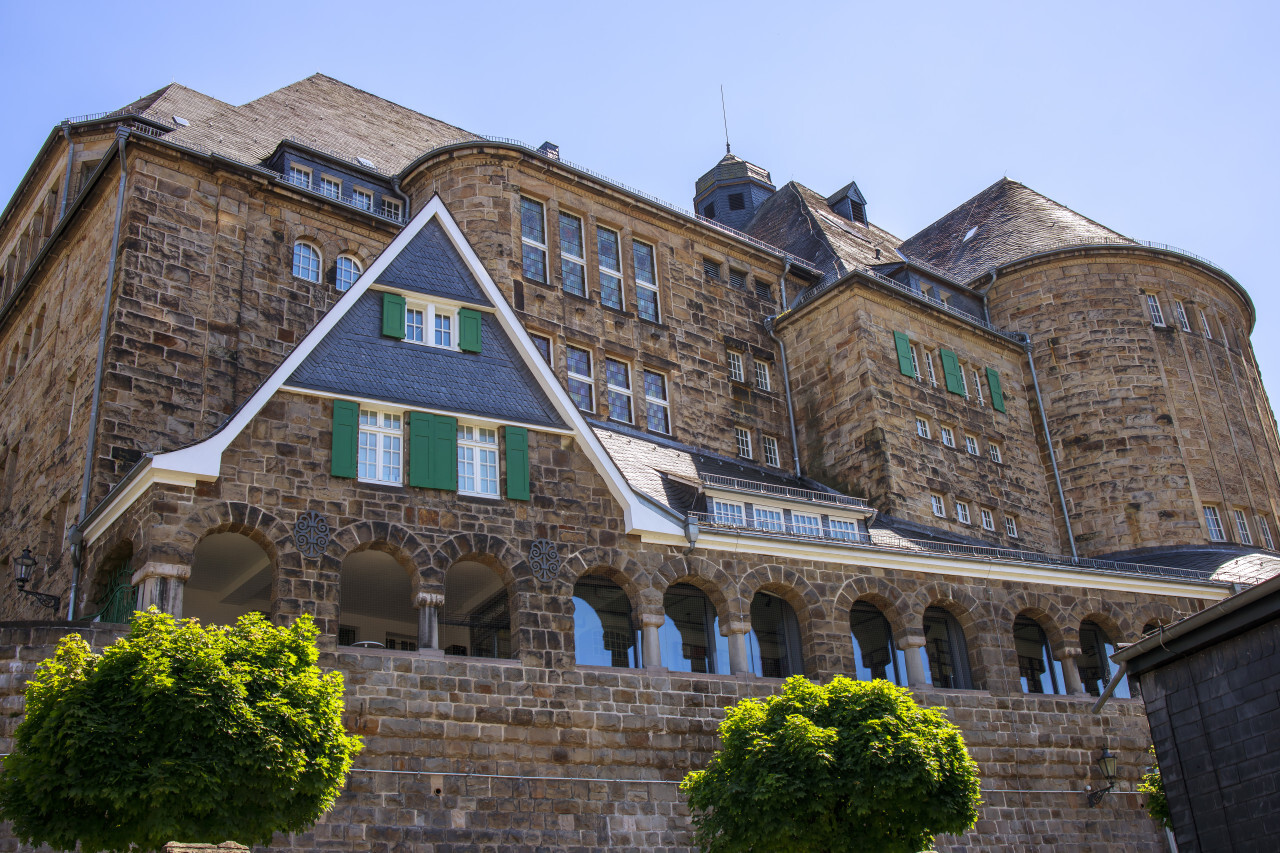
<point>736,631</point>
<point>161,584</point>
<point>428,604</point>
<point>911,646</point>
<point>650,646</point>
<point>1071,672</point>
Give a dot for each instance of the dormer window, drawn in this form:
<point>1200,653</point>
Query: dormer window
<point>300,176</point>
<point>330,187</point>
<point>362,199</point>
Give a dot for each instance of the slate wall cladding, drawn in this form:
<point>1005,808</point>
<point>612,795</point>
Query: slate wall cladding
<point>1149,423</point>
<point>1215,717</point>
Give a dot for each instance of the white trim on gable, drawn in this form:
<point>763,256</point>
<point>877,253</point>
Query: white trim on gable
<point>203,461</point>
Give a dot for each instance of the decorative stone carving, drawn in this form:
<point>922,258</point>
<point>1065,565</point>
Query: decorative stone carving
<point>545,559</point>
<point>311,534</point>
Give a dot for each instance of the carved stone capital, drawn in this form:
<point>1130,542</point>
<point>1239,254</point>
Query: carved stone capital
<point>652,620</point>
<point>428,599</point>
<point>160,570</point>
<point>910,641</point>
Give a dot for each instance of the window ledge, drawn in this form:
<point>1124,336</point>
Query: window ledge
<point>656,325</point>
<point>621,312</point>
<point>569,293</point>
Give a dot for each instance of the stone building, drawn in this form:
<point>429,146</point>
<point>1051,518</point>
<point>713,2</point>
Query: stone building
<point>562,470</point>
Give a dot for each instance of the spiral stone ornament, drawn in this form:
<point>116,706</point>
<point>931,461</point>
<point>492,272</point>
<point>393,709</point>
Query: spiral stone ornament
<point>545,559</point>
<point>311,534</point>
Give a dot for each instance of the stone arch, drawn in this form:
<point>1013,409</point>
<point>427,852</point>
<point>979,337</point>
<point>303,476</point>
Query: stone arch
<point>1157,612</point>
<point>795,589</point>
<point>624,571</point>
<point>267,531</point>
<point>707,576</point>
<point>399,542</point>
<point>1063,633</point>
<point>973,616</point>
<point>885,595</point>
<point>493,551</point>
<point>1118,626</point>
<point>113,567</point>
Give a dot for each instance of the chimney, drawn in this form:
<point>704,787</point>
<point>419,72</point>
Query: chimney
<point>549,149</point>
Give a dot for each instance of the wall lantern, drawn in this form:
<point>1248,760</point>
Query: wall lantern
<point>22,567</point>
<point>1107,764</point>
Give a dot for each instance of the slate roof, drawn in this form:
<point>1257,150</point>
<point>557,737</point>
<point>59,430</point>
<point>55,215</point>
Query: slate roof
<point>323,113</point>
<point>1228,564</point>
<point>177,100</point>
<point>430,264</point>
<point>1010,221</point>
<point>355,359</point>
<point>798,220</point>
<point>731,167</point>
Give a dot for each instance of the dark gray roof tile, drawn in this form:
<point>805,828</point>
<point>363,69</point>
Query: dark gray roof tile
<point>431,265</point>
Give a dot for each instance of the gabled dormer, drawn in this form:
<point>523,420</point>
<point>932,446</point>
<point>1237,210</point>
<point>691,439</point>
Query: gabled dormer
<point>849,203</point>
<point>732,191</point>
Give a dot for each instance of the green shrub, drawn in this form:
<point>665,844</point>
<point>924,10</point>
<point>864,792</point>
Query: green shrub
<point>1153,786</point>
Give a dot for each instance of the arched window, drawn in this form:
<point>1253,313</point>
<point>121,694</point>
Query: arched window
<point>306,261</point>
<point>604,633</point>
<point>774,641</point>
<point>690,636</point>
<point>477,619</point>
<point>1096,669</point>
<point>38,332</point>
<point>946,656</point>
<point>873,650</point>
<point>1039,670</point>
<point>376,608</point>
<point>348,270</point>
<point>230,576</point>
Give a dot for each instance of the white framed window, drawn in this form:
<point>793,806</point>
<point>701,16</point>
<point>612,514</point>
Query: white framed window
<point>657,411</point>
<point>1204,324</point>
<point>1214,523</point>
<point>939,506</point>
<point>728,512</point>
<point>533,240</point>
<point>948,437</point>
<point>347,271</point>
<point>928,363</point>
<point>1242,527</point>
<point>609,256</point>
<point>300,176</point>
<point>971,444</point>
<point>431,324</point>
<point>441,328</point>
<point>977,386</point>
<point>646,281</point>
<point>1153,305</point>
<point>964,381</point>
<point>542,344</point>
<point>415,325</point>
<point>736,371</point>
<point>770,445</point>
<point>362,199</point>
<point>742,439</point>
<point>392,208</point>
<point>477,461</point>
<point>763,381</point>
<point>922,428</point>
<point>573,263</point>
<point>843,529</point>
<point>1264,527</point>
<point>1011,526</point>
<point>582,385</point>
<point>962,512</point>
<point>380,448</point>
<point>915,362</point>
<point>768,518</point>
<point>617,378</point>
<point>988,520</point>
<point>306,261</point>
<point>1181,313</point>
<point>330,187</point>
<point>993,450</point>
<point>806,524</point>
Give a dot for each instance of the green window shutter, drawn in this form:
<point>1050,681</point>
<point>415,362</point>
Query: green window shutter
<point>997,395</point>
<point>346,437</point>
<point>442,453</point>
<point>903,343</point>
<point>951,370</point>
<point>517,462</point>
<point>393,315</point>
<point>469,330</point>
<point>419,449</point>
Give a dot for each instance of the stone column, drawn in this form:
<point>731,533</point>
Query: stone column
<point>911,646</point>
<point>650,646</point>
<point>161,584</point>
<point>736,631</point>
<point>1071,672</point>
<point>428,604</point>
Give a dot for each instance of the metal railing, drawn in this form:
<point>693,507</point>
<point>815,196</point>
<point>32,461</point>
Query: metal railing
<point>354,161</point>
<point>925,546</point>
<point>931,269</point>
<point>806,495</point>
<point>366,205</point>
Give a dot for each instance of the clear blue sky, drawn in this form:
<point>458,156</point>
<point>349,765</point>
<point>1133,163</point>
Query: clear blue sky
<point>1159,120</point>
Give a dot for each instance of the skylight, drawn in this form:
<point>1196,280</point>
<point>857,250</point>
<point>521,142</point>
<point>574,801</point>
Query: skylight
<point>969,233</point>
<point>364,161</point>
<point>181,122</point>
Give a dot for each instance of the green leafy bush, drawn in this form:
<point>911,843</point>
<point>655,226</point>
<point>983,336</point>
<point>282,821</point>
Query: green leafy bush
<point>853,766</point>
<point>178,732</point>
<point>1152,785</point>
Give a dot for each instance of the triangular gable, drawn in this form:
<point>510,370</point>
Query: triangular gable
<point>203,461</point>
<point>431,265</point>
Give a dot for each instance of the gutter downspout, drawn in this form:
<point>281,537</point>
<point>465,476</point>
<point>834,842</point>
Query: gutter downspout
<point>122,134</point>
<point>395,188</point>
<point>1053,457</point>
<point>66,181</point>
<point>786,377</point>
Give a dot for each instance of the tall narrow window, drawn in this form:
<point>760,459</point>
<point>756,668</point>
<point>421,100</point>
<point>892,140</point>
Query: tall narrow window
<point>1039,670</point>
<point>533,240</point>
<point>1153,305</point>
<point>573,267</point>
<point>962,512</point>
<point>1242,527</point>
<point>1214,523</point>
<point>1094,662</point>
<point>442,329</point>
<point>1204,324</point>
<point>348,270</point>
<point>380,447</point>
<point>763,381</point>
<point>690,636</point>
<point>874,654</point>
<point>915,362</point>
<point>610,259</point>
<point>543,345</point>
<point>977,386</point>
<point>922,428</point>
<point>988,520</point>
<point>306,261</point>
<point>971,444</point>
<point>964,382</point>
<point>415,328</point>
<point>604,634</point>
<point>948,437</point>
<point>657,407</point>
<point>477,460</point>
<point>928,364</point>
<point>617,377</point>
<point>1011,526</point>
<point>736,371</point>
<point>770,445</point>
<point>993,450</point>
<point>646,281</point>
<point>581,384</point>
<point>939,506</point>
<point>773,646</point>
<point>1181,313</point>
<point>1264,527</point>
<point>742,439</point>
<point>945,654</point>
